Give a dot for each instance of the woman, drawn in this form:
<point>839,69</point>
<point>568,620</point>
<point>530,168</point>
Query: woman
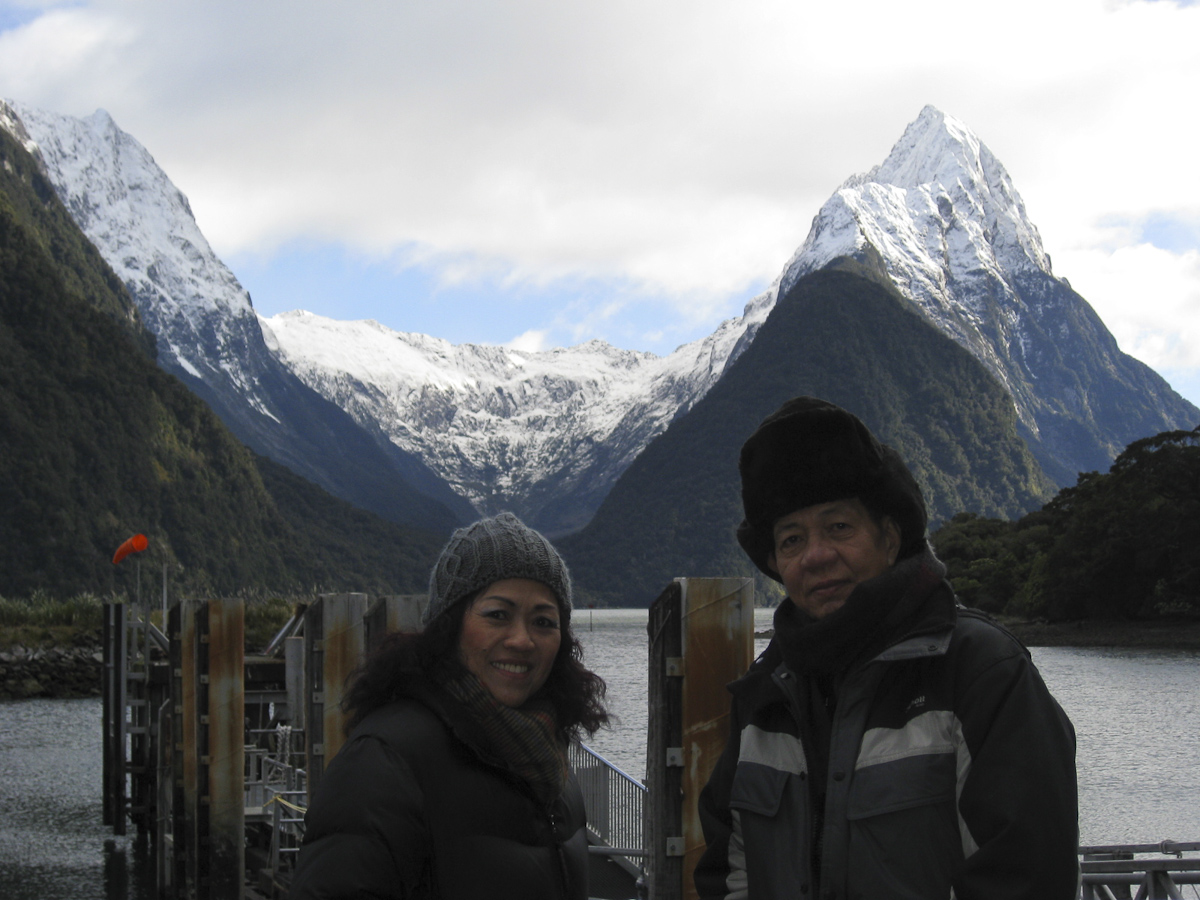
<point>453,782</point>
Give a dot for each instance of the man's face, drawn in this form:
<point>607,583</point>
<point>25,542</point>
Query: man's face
<point>822,551</point>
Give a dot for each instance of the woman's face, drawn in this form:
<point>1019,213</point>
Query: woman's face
<point>510,636</point>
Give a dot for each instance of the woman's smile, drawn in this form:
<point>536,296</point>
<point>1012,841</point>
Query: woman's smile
<point>510,637</point>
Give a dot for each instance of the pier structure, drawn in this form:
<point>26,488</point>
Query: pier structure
<point>212,753</point>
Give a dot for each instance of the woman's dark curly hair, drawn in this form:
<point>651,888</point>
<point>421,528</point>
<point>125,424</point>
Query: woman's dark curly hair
<point>431,656</point>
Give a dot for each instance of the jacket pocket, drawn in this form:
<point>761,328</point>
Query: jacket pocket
<point>903,784</point>
<point>757,789</point>
<point>771,828</point>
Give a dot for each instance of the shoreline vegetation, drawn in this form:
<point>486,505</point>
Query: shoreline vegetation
<point>1158,634</point>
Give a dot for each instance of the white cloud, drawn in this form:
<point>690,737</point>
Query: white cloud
<point>1148,297</point>
<point>680,148</point>
<point>530,342</point>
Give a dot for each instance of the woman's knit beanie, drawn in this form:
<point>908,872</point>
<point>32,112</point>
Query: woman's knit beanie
<point>492,550</point>
<point>810,451</point>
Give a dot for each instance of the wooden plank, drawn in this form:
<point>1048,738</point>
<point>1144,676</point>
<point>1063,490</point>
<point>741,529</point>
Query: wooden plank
<point>345,647</point>
<point>718,647</point>
<point>225,750</point>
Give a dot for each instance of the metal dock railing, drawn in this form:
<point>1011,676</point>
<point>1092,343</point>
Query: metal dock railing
<point>615,803</point>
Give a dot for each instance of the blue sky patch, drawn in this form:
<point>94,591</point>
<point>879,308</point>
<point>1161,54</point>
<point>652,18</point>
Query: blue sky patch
<point>331,281</point>
<point>1170,231</point>
<point>1178,234</point>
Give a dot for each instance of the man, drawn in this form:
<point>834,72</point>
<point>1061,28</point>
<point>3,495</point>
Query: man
<point>888,743</point>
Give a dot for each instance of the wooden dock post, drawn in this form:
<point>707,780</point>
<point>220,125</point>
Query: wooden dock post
<point>701,638</point>
<point>113,703</point>
<point>185,753</point>
<point>334,643</point>
<point>222,835</point>
<point>294,678</point>
<point>718,647</point>
<point>208,766</point>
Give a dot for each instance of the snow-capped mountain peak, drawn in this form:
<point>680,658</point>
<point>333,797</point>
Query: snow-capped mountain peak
<point>943,217</point>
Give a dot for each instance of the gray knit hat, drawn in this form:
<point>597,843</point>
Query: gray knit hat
<point>492,550</point>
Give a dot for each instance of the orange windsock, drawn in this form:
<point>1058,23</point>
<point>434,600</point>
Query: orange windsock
<point>135,544</point>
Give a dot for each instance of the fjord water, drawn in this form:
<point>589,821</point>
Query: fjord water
<point>1136,714</point>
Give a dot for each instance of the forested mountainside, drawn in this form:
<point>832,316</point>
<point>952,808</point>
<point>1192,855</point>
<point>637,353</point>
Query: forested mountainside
<point>98,443</point>
<point>836,335</point>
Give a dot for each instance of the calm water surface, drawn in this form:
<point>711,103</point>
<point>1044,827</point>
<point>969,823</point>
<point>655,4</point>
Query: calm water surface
<point>1136,715</point>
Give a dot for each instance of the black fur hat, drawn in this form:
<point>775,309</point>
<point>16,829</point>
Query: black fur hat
<point>810,451</point>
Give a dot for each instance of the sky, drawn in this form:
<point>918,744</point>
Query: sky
<point>539,173</point>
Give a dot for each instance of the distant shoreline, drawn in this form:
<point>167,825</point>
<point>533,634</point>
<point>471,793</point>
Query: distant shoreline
<point>1159,635</point>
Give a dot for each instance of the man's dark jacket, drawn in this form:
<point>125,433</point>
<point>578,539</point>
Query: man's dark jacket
<point>949,769</point>
<point>415,806</point>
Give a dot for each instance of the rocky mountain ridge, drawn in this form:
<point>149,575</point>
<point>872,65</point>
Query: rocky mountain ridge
<point>482,428</point>
<point>207,332</point>
<point>941,220</point>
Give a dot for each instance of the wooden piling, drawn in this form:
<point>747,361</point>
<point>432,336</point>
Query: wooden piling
<point>335,643</point>
<point>112,694</point>
<point>185,756</point>
<point>222,727</point>
<point>398,613</point>
<point>701,638</point>
<point>294,680</point>
<point>207,823</point>
<point>718,647</point>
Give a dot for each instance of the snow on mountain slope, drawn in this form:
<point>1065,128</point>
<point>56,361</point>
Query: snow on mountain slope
<point>207,332</point>
<point>942,213</point>
<point>144,228</point>
<point>543,433</point>
<point>941,221</point>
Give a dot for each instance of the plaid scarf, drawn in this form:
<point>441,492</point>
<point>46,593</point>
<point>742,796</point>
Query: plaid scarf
<point>525,738</point>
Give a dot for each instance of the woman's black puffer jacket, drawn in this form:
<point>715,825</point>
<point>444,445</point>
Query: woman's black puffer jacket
<point>415,806</point>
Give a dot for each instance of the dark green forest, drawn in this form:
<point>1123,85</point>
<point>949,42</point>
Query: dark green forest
<point>841,336</point>
<point>1119,545</point>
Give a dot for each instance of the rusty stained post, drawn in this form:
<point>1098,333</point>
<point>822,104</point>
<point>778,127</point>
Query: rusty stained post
<point>224,759</point>
<point>662,825</point>
<point>335,644</point>
<point>718,647</point>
